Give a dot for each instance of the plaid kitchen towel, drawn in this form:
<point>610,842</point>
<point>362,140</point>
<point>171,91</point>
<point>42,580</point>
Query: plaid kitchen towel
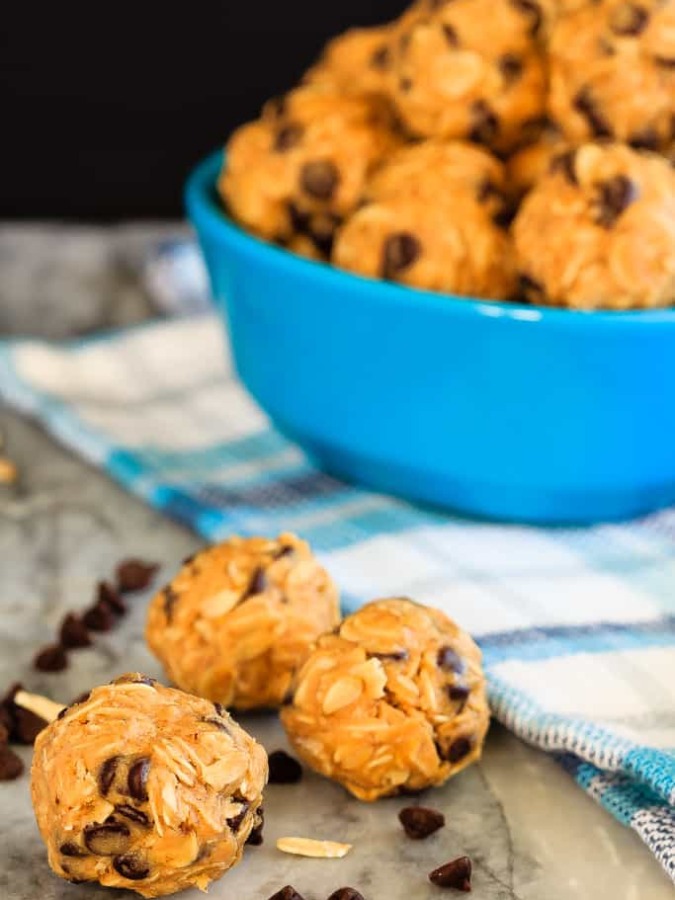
<point>577,625</point>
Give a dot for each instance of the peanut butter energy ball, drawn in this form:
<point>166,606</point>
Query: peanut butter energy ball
<point>598,232</point>
<point>238,620</point>
<point>391,703</point>
<point>146,788</point>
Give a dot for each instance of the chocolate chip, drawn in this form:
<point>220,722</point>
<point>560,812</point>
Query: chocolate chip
<point>256,585</point>
<point>564,163</point>
<point>51,658</point>
<point>665,62</point>
<point>282,551</point>
<point>458,750</point>
<point>319,179</point>
<point>135,575</point>
<point>419,822</point>
<point>511,67</point>
<point>171,597</point>
<point>450,661</point>
<point>284,769</point>
<point>321,229</point>
<point>131,866</point>
<point>72,849</point>
<point>484,123</point>
<point>585,105</point>
<point>612,199</point>
<point>220,709</point>
<point>287,893</point>
<point>137,779</point>
<point>530,290</point>
<point>455,874</point>
<point>108,595</point>
<point>628,19</point>
<point>647,139</point>
<point>235,822</point>
<point>106,774</point>
<point>255,838</point>
<point>532,10</point>
<point>99,617</point>
<point>73,632</point>
<point>107,839</point>
<point>288,136</point>
<point>27,726</point>
<point>405,85</point>
<point>458,693</point>
<point>346,893</point>
<point>189,559</point>
<point>133,814</point>
<point>451,35</point>
<point>381,58</point>
<point>11,765</point>
<point>399,252</point>
<point>81,698</point>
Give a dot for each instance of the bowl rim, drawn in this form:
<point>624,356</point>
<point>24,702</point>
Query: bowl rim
<point>202,206</point>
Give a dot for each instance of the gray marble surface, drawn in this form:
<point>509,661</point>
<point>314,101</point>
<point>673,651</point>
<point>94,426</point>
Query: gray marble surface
<point>532,834</point>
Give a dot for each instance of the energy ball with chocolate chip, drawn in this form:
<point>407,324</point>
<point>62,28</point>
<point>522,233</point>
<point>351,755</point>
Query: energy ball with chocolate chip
<point>393,702</point>
<point>613,73</point>
<point>598,232</point>
<point>435,221</point>
<point>301,168</point>
<point>470,69</point>
<point>146,788</point>
<point>238,620</point>
<point>355,62</point>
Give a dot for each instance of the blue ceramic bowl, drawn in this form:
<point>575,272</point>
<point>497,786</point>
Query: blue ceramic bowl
<point>495,409</point>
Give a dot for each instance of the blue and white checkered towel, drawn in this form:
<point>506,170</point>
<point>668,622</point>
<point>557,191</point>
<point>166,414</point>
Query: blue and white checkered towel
<point>577,626</point>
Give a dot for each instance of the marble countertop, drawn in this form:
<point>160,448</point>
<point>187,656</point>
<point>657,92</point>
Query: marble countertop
<point>531,833</point>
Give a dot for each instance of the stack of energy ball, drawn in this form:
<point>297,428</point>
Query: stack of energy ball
<point>505,149</point>
<point>155,789</point>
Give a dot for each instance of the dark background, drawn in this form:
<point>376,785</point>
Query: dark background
<point>104,108</point>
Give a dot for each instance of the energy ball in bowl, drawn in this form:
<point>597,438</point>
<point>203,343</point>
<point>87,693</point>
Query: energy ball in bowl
<point>238,620</point>
<point>435,222</point>
<point>598,232</point>
<point>301,169</point>
<point>613,73</point>
<point>146,788</point>
<point>471,69</point>
<point>393,702</point>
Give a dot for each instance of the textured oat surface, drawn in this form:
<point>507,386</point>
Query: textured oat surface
<point>531,833</point>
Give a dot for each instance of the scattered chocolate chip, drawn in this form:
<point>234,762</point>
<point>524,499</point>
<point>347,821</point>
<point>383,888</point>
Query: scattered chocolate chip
<point>236,821</point>
<point>106,774</point>
<point>399,252</point>
<point>73,632</point>
<point>485,124</point>
<point>381,58</point>
<point>137,779</point>
<point>530,290</point>
<point>585,105</point>
<point>131,866</point>
<point>419,822</point>
<point>170,599</point>
<point>108,595</point>
<point>647,139</point>
<point>612,199</point>
<point>72,849</point>
<point>135,575</point>
<point>287,893</point>
<point>458,693</point>
<point>288,136</point>
<point>99,617</point>
<point>284,769</point>
<point>319,178</point>
<point>449,660</point>
<point>133,814</point>
<point>628,19</point>
<point>11,765</point>
<point>564,163</point>
<point>532,10</point>
<point>346,893</point>
<point>451,35</point>
<point>51,658</point>
<point>665,62</point>
<point>511,67</point>
<point>405,85</point>
<point>107,839</point>
<point>455,874</point>
<point>27,726</point>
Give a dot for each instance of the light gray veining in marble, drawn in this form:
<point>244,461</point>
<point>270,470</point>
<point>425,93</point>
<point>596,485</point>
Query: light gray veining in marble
<point>532,834</point>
